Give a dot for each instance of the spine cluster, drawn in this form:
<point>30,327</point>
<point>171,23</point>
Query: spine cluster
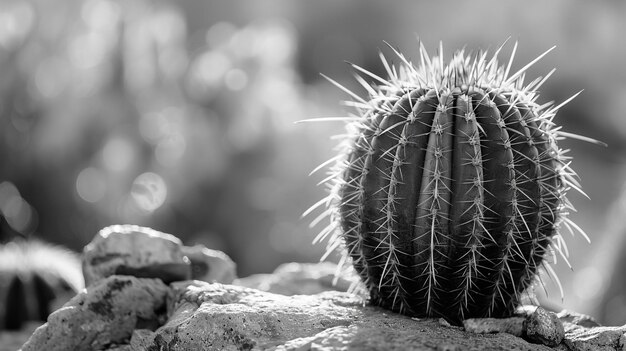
<point>450,187</point>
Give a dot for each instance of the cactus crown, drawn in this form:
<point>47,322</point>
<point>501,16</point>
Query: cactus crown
<point>449,187</point>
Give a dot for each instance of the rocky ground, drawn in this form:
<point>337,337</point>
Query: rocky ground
<point>147,291</point>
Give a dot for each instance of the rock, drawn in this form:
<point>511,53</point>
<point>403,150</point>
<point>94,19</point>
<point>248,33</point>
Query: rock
<point>513,325</point>
<point>140,338</point>
<point>578,338</point>
<point>330,339</point>
<point>544,327</point>
<point>131,312</point>
<point>207,316</point>
<point>580,319</point>
<point>136,251</point>
<point>104,313</point>
<point>299,279</point>
<point>445,323</point>
<point>219,316</point>
<point>210,265</point>
<point>120,348</point>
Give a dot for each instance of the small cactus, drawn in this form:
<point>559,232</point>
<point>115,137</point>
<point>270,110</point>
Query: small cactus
<point>36,278</point>
<point>450,187</point>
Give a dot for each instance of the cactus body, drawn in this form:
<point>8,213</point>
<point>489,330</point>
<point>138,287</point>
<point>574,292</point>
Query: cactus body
<point>450,187</point>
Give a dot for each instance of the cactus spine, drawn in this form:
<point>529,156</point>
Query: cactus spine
<point>450,186</point>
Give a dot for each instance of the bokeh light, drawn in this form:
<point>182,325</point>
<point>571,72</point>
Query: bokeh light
<point>181,116</point>
<point>17,213</point>
<point>91,185</point>
<point>16,20</point>
<point>149,191</point>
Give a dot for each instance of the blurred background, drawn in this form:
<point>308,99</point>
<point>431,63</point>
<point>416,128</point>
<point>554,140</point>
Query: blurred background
<point>179,115</point>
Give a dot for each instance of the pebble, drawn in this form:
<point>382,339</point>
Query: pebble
<point>544,327</point>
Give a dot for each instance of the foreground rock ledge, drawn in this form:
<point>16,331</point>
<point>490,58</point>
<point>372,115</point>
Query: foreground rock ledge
<point>207,316</point>
<point>125,313</point>
<point>105,313</point>
<point>139,299</point>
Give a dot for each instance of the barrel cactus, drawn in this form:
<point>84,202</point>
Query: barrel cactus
<point>36,278</point>
<point>450,188</point>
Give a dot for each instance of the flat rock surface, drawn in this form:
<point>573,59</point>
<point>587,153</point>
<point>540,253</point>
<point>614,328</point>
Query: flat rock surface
<point>214,316</point>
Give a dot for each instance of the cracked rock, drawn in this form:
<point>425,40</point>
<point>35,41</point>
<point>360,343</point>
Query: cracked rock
<point>103,314</point>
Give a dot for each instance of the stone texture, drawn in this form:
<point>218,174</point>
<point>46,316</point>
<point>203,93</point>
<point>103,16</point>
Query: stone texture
<point>205,316</point>
<point>140,338</point>
<point>120,348</point>
<point>544,327</point>
<point>105,313</point>
<point>131,313</point>
<point>137,251</point>
<point>298,279</point>
<point>210,265</point>
<point>576,318</point>
<point>579,338</point>
<point>513,325</point>
<point>215,316</point>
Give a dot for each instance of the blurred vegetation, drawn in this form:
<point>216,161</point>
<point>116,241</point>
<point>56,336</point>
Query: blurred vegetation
<point>180,116</point>
<point>113,113</point>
